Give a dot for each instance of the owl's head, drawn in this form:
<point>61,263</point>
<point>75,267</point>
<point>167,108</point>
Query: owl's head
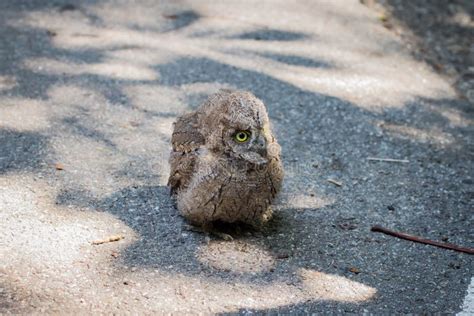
<point>236,124</point>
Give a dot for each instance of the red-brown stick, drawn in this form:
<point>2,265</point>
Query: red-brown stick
<point>422,240</point>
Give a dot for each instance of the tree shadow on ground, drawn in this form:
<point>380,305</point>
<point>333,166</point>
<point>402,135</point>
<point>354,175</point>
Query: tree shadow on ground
<point>295,60</point>
<point>21,151</point>
<point>442,34</point>
<point>271,35</point>
<point>182,20</point>
<point>335,238</point>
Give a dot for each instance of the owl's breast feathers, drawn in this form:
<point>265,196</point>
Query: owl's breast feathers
<point>185,140</point>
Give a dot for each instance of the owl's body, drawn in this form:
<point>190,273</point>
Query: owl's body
<point>225,162</point>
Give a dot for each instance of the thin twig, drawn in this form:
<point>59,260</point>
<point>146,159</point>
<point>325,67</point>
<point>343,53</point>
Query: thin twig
<point>337,183</point>
<point>388,160</point>
<point>422,240</point>
<point>109,239</point>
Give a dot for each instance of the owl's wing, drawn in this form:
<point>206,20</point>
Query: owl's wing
<point>185,140</point>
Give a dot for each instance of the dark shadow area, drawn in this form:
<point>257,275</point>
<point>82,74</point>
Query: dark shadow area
<point>66,7</point>
<point>181,20</point>
<point>11,301</point>
<point>136,171</point>
<point>272,35</point>
<point>21,151</point>
<point>7,300</point>
<point>150,211</point>
<point>20,44</point>
<point>327,307</point>
<point>444,36</point>
<point>74,125</point>
<point>172,22</point>
<point>194,100</point>
<point>296,60</point>
<point>60,5</point>
<point>36,43</point>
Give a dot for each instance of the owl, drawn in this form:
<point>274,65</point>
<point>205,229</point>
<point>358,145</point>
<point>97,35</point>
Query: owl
<point>225,162</point>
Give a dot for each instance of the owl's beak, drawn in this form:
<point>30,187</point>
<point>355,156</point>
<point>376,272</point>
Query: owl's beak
<point>260,145</point>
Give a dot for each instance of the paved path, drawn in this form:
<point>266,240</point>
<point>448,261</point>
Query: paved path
<point>468,305</point>
<point>88,93</point>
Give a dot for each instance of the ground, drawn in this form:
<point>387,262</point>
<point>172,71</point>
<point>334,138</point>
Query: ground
<point>88,94</point>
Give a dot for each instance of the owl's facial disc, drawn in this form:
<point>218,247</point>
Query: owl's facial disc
<point>259,145</point>
<point>250,145</point>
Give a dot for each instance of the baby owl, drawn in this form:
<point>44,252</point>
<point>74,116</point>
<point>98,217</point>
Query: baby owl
<point>225,162</point>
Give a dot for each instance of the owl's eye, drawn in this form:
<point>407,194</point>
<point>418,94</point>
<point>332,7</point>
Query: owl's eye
<point>242,136</point>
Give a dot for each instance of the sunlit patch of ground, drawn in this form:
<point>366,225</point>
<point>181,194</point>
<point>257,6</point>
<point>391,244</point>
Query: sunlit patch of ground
<point>434,136</point>
<point>335,287</point>
<point>306,201</point>
<point>24,114</point>
<point>236,257</point>
<point>111,69</point>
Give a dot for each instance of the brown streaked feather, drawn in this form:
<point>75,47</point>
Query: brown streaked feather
<point>185,140</point>
<point>186,136</point>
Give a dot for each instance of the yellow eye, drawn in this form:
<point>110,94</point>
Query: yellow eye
<point>242,136</point>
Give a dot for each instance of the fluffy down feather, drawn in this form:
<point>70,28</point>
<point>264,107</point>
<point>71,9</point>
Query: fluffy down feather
<point>215,177</point>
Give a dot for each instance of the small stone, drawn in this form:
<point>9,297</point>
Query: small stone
<point>354,270</point>
<point>282,255</point>
<point>67,7</point>
<point>453,265</point>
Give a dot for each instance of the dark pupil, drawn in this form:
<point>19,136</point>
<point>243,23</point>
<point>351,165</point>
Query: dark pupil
<point>241,136</point>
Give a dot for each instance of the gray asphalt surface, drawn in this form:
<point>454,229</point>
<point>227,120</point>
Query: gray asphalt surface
<point>88,94</point>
